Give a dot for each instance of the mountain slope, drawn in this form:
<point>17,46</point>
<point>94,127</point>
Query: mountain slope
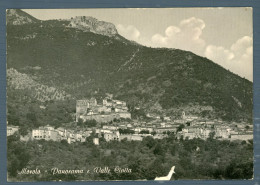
<point>38,91</point>
<point>18,17</point>
<point>84,62</point>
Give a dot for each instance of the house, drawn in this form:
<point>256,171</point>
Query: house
<point>87,133</point>
<point>107,102</point>
<point>188,118</point>
<point>122,126</point>
<point>111,127</point>
<point>129,125</point>
<point>62,131</point>
<point>194,129</point>
<point>165,129</point>
<point>78,136</point>
<point>44,133</point>
<point>162,124</point>
<point>48,127</point>
<point>179,121</point>
<point>137,129</point>
<point>104,109</point>
<point>71,140</point>
<point>166,118</point>
<point>96,141</point>
<point>233,132</point>
<point>150,129</point>
<point>113,135</point>
<point>124,115</point>
<point>222,133</point>
<point>106,131</point>
<point>11,129</point>
<point>204,133</point>
<point>131,137</point>
<point>168,125</point>
<point>159,136</point>
<point>189,135</point>
<point>241,137</point>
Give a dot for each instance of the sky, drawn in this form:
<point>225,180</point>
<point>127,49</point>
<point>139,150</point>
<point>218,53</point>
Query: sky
<point>223,35</point>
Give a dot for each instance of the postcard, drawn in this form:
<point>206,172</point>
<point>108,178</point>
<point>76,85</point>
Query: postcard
<point>137,94</point>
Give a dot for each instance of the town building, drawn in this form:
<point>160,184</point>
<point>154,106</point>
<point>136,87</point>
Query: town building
<point>46,133</point>
<point>11,129</point>
<point>113,135</point>
<point>131,137</point>
<point>96,141</point>
<point>242,137</point>
<point>108,111</point>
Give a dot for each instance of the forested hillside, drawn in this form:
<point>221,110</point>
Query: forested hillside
<point>83,63</point>
<point>194,159</point>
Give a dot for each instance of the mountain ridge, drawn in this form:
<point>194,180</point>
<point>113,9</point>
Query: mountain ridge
<point>87,23</point>
<point>160,80</point>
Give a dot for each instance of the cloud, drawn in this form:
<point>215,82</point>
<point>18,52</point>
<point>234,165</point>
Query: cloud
<point>130,32</point>
<point>185,36</point>
<point>238,59</point>
<point>219,54</point>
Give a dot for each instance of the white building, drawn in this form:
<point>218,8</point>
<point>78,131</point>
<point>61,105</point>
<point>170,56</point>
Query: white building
<point>96,141</point>
<point>44,133</point>
<point>11,129</point>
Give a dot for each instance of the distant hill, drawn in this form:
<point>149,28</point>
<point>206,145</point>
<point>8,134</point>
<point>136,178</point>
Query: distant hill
<point>85,57</point>
<point>19,17</point>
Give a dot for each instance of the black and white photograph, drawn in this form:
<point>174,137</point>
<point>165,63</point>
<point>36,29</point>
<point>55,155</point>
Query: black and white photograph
<point>119,94</point>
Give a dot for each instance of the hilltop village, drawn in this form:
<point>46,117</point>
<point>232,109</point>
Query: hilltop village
<point>112,121</point>
<point>108,111</point>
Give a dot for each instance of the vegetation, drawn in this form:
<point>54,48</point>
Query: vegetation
<point>126,131</point>
<point>25,112</point>
<point>162,81</point>
<point>194,159</point>
<point>87,123</point>
<point>158,80</point>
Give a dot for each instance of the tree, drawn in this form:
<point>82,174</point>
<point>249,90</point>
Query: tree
<point>90,123</point>
<point>144,132</point>
<point>179,129</point>
<point>126,131</point>
<point>149,142</point>
<point>23,130</point>
<point>80,122</point>
<point>212,135</point>
<point>158,150</point>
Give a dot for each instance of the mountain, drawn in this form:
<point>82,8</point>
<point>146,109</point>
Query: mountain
<point>18,17</point>
<point>91,24</point>
<point>85,57</point>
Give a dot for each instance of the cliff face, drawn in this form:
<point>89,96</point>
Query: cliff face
<point>91,24</point>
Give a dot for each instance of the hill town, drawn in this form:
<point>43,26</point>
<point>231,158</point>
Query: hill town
<point>82,96</point>
<point>111,120</point>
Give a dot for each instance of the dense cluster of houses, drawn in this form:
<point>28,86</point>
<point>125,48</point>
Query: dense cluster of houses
<point>187,127</point>
<point>110,109</point>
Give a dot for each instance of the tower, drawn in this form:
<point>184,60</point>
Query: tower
<point>183,116</point>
